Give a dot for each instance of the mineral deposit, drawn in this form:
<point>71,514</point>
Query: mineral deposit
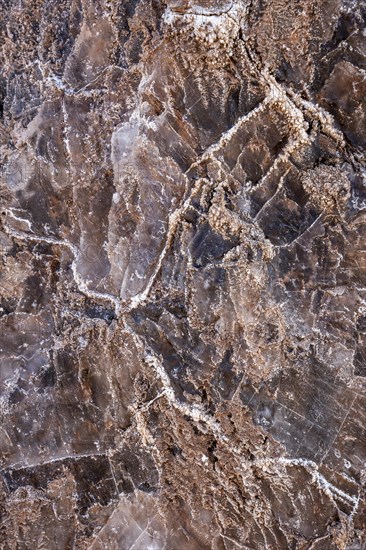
<point>183,275</point>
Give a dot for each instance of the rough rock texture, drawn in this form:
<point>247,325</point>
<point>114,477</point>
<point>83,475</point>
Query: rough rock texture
<point>183,282</point>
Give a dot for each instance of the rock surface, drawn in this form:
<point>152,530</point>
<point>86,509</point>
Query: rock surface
<point>183,282</point>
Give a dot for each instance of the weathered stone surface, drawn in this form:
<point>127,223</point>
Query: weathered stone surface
<point>183,282</point>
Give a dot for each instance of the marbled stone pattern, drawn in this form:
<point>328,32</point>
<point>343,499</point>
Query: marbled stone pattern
<point>183,275</point>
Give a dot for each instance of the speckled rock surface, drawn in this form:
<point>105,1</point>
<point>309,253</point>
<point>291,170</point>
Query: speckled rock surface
<point>183,275</point>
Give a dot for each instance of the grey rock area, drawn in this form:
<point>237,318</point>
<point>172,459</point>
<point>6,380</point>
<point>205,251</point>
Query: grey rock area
<point>183,275</point>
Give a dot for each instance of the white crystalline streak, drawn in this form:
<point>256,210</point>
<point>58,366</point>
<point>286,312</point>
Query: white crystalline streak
<point>209,27</point>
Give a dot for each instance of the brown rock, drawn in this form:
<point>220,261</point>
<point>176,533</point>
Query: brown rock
<point>182,281</point>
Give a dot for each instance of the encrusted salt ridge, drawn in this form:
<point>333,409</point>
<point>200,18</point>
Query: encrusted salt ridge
<point>207,25</point>
<point>182,283</point>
